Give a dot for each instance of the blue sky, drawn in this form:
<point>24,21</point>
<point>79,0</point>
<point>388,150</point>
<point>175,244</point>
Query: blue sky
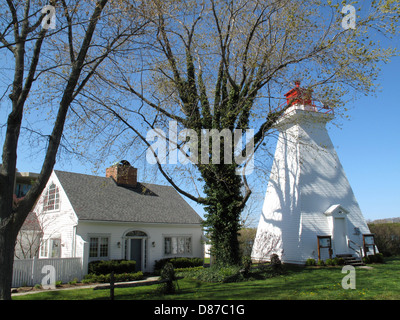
<point>368,147</point>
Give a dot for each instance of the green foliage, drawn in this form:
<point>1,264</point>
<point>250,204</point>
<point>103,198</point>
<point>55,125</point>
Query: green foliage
<point>108,266</point>
<point>374,258</point>
<point>234,273</point>
<point>310,262</point>
<point>246,264</point>
<point>105,278</point>
<point>387,237</point>
<point>330,262</point>
<point>178,263</point>
<point>338,261</point>
<point>218,274</point>
<point>184,270</point>
<point>320,263</point>
<point>222,206</point>
<point>168,275</point>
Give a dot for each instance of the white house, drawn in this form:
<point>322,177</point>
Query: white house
<point>116,217</point>
<point>310,210</point>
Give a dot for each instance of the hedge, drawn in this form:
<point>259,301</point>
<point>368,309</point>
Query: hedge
<point>108,266</point>
<point>105,278</point>
<point>178,263</point>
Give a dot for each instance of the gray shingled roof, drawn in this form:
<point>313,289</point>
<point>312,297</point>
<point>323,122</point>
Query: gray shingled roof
<point>101,199</point>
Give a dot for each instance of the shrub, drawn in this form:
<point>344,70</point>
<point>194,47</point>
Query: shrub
<point>168,274</point>
<point>178,263</point>
<point>330,262</point>
<point>387,237</point>
<point>246,264</point>
<point>276,263</point>
<point>321,263</point>
<point>108,266</point>
<point>379,258</point>
<point>339,261</point>
<point>105,278</point>
<point>310,262</point>
<point>374,258</point>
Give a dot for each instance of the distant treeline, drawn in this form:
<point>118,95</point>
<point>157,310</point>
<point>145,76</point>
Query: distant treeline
<point>387,237</point>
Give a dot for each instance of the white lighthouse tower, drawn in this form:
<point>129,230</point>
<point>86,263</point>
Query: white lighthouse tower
<point>309,210</point>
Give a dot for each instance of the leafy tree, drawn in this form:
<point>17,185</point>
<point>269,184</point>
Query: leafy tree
<point>52,65</point>
<point>225,64</point>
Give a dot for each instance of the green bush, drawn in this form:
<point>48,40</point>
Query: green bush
<point>339,261</point>
<point>106,278</point>
<point>379,258</point>
<point>246,264</point>
<point>387,237</point>
<point>321,263</point>
<point>374,258</point>
<point>108,266</point>
<point>310,262</point>
<point>168,275</point>
<point>330,262</point>
<point>178,263</point>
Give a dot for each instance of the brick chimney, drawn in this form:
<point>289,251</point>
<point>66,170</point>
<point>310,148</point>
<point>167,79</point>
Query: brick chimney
<point>123,174</point>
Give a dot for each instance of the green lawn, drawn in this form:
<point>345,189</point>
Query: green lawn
<point>381,282</point>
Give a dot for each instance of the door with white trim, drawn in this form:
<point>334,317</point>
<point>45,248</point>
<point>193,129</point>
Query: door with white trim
<point>340,236</point>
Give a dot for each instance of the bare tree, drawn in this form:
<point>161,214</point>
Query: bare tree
<point>51,69</point>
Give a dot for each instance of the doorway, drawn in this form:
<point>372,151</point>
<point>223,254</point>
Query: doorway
<point>136,248</point>
<point>136,252</point>
<point>339,236</point>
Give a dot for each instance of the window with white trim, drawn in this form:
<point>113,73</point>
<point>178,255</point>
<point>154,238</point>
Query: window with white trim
<point>52,198</point>
<point>99,247</point>
<point>44,249</point>
<point>50,248</point>
<point>177,245</point>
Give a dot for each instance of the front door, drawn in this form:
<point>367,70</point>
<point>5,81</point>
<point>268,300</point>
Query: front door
<point>339,236</point>
<point>136,252</point>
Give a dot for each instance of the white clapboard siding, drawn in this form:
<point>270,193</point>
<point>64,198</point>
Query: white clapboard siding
<point>28,272</point>
<point>306,183</point>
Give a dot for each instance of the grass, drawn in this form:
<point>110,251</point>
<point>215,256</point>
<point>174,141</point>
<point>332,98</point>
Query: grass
<point>304,283</point>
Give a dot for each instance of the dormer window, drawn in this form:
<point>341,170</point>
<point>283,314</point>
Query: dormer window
<point>52,198</point>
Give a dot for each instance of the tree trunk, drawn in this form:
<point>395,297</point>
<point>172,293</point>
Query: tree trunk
<point>8,237</point>
<point>224,196</point>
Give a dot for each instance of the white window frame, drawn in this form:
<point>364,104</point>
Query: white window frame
<point>57,201</point>
<point>46,247</point>
<point>175,250</point>
<point>99,239</point>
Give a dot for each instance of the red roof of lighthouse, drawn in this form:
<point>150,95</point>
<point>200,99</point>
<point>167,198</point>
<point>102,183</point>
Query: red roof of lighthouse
<point>298,95</point>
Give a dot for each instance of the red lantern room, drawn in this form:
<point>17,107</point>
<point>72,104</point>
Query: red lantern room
<point>298,95</point>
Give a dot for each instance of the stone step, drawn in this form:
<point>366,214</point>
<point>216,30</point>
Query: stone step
<point>351,260</point>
